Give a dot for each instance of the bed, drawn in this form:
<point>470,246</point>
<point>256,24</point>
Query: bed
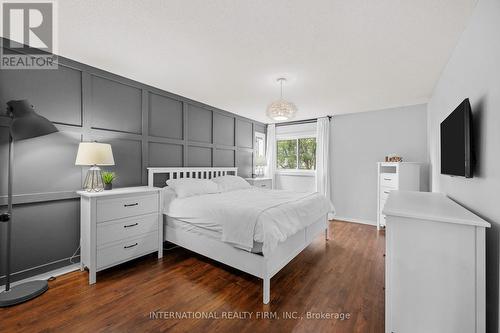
<point>280,224</point>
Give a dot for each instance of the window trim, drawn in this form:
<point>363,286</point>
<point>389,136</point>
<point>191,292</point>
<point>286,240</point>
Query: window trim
<point>263,137</point>
<point>296,171</point>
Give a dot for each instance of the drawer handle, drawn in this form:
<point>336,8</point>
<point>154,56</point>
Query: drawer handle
<point>262,185</point>
<point>386,192</point>
<point>130,205</point>
<point>387,179</point>
<point>130,225</point>
<point>129,246</point>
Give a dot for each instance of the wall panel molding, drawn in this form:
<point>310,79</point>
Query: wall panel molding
<point>115,105</point>
<point>88,103</point>
<point>19,199</point>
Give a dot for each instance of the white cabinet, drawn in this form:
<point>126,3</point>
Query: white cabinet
<point>119,225</point>
<point>435,265</point>
<point>260,182</point>
<point>395,176</point>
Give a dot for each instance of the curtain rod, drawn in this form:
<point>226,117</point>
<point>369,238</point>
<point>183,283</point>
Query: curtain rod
<point>296,122</point>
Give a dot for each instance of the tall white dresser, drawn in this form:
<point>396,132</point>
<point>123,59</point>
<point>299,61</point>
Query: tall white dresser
<point>435,265</point>
<point>119,225</point>
<point>392,176</point>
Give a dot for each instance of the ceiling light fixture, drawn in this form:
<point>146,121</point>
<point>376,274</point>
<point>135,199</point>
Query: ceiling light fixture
<point>281,109</point>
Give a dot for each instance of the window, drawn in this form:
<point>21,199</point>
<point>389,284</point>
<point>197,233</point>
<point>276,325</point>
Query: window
<point>287,154</point>
<point>296,154</point>
<point>260,145</point>
<point>260,153</point>
<point>307,153</point>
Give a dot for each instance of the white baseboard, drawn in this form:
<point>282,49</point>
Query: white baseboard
<point>47,275</point>
<point>353,220</point>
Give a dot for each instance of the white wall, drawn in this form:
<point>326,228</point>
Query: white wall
<point>358,142</point>
<point>474,71</point>
<point>297,183</point>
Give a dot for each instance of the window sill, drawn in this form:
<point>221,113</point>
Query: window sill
<point>298,173</point>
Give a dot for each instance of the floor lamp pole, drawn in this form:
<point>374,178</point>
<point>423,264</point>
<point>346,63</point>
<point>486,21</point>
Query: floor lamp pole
<point>9,211</point>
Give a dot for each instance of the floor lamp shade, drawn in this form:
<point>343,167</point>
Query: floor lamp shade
<point>25,124</point>
<point>94,154</point>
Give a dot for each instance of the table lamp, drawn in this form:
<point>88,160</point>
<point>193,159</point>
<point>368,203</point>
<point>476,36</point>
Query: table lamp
<point>25,124</point>
<point>94,154</point>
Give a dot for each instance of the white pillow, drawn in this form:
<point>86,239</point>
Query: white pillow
<point>187,187</point>
<point>169,195</point>
<point>231,183</point>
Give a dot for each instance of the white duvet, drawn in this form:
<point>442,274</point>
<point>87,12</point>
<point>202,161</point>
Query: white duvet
<point>248,215</point>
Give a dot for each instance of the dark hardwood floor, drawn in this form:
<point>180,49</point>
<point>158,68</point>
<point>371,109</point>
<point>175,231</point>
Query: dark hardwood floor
<point>344,275</point>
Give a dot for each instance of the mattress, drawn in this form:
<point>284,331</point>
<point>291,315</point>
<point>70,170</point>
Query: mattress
<point>207,232</point>
<point>245,217</point>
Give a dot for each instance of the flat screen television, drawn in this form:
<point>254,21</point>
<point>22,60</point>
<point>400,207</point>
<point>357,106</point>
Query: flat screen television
<point>456,146</point>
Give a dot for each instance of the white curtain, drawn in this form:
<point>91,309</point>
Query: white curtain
<point>322,158</point>
<point>271,153</point>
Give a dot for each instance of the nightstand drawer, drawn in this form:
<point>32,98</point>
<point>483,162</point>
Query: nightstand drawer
<point>389,180</point>
<point>260,182</point>
<point>117,208</point>
<point>135,247</point>
<point>263,184</point>
<point>117,230</point>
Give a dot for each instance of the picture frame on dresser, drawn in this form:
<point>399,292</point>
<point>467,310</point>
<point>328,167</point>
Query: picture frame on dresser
<point>119,225</point>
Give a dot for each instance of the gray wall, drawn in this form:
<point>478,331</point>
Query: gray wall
<point>358,142</point>
<point>146,126</point>
<point>473,71</point>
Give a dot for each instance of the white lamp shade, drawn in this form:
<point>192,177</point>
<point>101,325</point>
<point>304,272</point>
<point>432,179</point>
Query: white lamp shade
<point>94,153</point>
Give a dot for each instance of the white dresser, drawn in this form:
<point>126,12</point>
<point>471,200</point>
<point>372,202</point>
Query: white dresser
<point>392,176</point>
<point>119,225</point>
<point>260,182</point>
<point>435,265</point>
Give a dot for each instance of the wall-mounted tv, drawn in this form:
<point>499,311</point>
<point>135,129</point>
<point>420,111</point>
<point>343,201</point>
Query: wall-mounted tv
<point>456,146</point>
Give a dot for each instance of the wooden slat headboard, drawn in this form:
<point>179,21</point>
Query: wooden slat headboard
<point>177,173</point>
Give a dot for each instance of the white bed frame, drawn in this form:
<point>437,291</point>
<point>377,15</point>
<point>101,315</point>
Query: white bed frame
<point>251,263</point>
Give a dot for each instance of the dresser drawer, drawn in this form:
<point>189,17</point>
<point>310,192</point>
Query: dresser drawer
<point>389,180</point>
<point>113,231</point>
<point>119,252</point>
<point>384,194</point>
<point>117,208</point>
<point>382,219</point>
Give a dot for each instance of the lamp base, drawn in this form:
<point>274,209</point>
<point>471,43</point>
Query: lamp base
<point>23,292</point>
<point>93,181</point>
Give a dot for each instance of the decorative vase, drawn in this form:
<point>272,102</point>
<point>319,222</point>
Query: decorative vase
<point>108,186</point>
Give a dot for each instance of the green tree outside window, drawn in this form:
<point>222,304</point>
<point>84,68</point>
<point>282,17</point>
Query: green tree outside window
<point>287,154</point>
<point>307,154</point>
<point>296,154</point>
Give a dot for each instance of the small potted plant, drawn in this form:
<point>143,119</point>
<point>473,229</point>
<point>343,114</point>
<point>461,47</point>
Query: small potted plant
<point>107,179</point>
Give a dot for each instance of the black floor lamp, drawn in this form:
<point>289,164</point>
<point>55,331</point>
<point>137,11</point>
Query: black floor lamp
<point>25,124</point>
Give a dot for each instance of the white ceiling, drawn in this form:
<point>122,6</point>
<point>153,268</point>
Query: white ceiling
<point>340,56</point>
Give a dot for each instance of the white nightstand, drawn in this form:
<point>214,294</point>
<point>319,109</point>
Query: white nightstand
<point>260,182</point>
<point>119,225</point>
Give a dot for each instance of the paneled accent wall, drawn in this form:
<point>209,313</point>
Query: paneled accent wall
<point>146,126</point>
